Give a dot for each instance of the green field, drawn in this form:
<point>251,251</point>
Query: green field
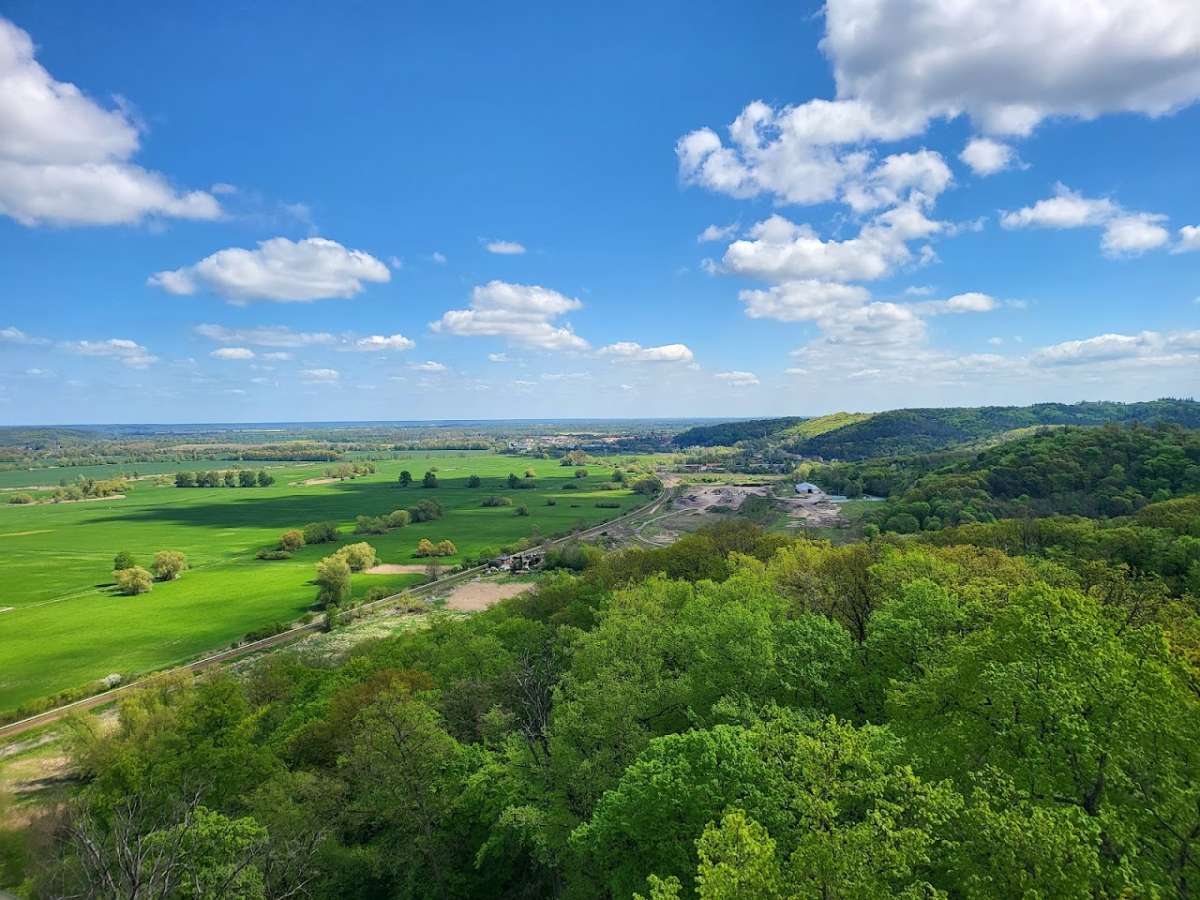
<point>65,626</point>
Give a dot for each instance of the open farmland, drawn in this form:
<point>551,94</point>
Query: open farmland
<point>66,626</point>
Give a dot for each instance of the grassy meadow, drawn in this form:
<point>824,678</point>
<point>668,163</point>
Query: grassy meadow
<point>65,625</point>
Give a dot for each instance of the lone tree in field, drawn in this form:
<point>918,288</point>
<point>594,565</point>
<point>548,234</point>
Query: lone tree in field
<point>522,510</point>
<point>134,580</point>
<point>124,560</point>
<point>333,581</point>
<point>474,481</point>
<point>430,480</point>
<point>581,473</point>
<point>168,564</point>
<point>358,556</point>
<point>445,548</point>
<point>291,540</point>
<point>405,478</point>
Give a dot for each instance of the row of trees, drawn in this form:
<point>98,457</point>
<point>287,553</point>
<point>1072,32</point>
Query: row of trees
<point>132,578</point>
<point>226,478</point>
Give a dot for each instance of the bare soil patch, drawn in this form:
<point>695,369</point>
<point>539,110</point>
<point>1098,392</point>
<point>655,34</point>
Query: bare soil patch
<point>308,481</point>
<point>478,595</point>
<point>395,569</point>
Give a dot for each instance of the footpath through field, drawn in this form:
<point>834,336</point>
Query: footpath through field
<point>299,631</point>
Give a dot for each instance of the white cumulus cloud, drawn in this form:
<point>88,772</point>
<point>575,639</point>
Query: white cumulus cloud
<point>985,156</point>
<point>629,351</point>
<point>1125,233</point>
<point>279,269</point>
<point>65,159</point>
<point>522,313</point>
<point>374,343</point>
<point>1189,239</point>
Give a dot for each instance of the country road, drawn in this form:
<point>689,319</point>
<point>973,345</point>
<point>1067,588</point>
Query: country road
<point>300,631</point>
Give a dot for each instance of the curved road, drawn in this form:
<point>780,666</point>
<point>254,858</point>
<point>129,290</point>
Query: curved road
<point>297,632</point>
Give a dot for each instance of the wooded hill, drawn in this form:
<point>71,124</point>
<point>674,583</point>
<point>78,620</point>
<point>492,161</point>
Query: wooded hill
<point>856,436</point>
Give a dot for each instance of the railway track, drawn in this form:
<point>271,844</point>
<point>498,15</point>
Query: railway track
<point>299,631</point>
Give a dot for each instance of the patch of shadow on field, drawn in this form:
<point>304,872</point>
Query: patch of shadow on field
<point>344,500</point>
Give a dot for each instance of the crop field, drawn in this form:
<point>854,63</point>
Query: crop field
<point>63,625</point>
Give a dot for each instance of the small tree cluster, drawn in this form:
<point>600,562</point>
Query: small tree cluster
<point>320,532</point>
<point>426,547</point>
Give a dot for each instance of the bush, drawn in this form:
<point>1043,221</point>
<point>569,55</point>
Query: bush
<point>291,540</point>
<point>903,523</point>
<point>570,487</point>
<point>606,504</point>
<point>267,631</point>
<point>474,481</point>
<point>445,548</point>
<point>522,510</point>
<point>648,485</point>
<point>273,553</point>
<point>430,480</point>
<point>168,565</point>
<point>398,518</point>
<point>529,473</point>
<point>496,501</point>
<point>581,473</point>
<point>370,525</point>
<point>333,581</point>
<point>358,556</point>
<point>424,547</point>
<point>618,476</point>
<point>134,580</point>
<point>550,501</point>
<point>574,556</point>
<point>320,532</point>
<point>124,560</point>
<point>21,499</point>
<point>425,511</point>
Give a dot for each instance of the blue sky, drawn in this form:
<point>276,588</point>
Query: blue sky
<point>298,211</point>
